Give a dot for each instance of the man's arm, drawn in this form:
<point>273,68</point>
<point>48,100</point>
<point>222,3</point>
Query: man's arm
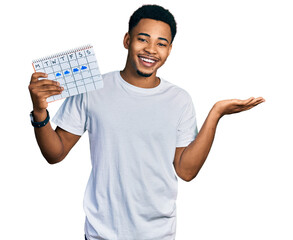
<point>54,145</point>
<point>189,160</point>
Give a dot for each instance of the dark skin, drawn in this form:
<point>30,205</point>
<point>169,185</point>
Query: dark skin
<point>54,145</point>
<point>149,45</point>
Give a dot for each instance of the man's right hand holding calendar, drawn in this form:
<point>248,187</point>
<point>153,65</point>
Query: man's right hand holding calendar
<point>54,145</point>
<point>40,90</point>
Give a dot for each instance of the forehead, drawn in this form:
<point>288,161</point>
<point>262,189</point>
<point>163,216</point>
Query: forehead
<point>154,28</point>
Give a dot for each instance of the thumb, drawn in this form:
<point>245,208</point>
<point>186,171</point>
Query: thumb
<point>35,76</point>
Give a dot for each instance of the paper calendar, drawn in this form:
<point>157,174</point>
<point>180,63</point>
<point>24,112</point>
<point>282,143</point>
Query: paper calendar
<point>76,70</point>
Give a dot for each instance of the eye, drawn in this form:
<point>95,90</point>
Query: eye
<point>142,40</point>
<point>162,44</point>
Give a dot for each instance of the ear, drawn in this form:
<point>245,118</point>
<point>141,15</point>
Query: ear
<point>170,48</point>
<point>126,40</point>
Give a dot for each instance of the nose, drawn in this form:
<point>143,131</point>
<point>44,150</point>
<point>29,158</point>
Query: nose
<point>151,48</point>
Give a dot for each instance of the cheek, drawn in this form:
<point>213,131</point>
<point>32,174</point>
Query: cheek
<point>164,55</point>
<point>135,46</point>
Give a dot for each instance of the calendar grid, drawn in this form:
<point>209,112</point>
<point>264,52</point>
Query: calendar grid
<point>76,70</point>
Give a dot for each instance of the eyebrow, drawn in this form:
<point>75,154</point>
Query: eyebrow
<point>147,35</point>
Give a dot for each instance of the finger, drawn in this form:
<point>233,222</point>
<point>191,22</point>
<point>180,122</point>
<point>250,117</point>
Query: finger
<point>261,99</point>
<point>46,82</point>
<point>39,92</point>
<point>45,88</point>
<point>52,93</point>
<point>249,100</point>
<point>254,101</point>
<point>241,103</point>
<point>257,101</point>
<point>254,104</point>
<point>35,76</point>
<point>48,93</point>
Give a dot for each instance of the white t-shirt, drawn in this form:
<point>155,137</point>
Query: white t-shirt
<point>133,132</point>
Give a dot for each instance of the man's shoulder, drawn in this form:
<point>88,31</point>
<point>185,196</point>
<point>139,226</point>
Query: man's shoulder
<point>109,75</point>
<point>179,91</point>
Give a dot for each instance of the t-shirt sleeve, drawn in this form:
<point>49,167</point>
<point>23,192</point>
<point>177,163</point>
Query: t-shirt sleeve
<point>72,115</point>
<point>187,127</point>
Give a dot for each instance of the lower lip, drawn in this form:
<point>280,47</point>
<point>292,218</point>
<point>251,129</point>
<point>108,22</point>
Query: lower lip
<point>147,64</point>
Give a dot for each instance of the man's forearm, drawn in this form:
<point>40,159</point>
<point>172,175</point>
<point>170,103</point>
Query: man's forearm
<point>197,151</point>
<point>48,140</point>
<point>195,154</point>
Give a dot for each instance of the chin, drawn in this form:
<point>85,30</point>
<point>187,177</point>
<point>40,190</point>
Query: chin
<point>144,74</point>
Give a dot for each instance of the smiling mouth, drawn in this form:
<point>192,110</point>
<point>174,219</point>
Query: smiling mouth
<point>148,60</point>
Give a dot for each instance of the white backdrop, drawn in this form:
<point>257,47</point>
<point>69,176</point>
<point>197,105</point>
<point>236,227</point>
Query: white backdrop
<point>224,49</point>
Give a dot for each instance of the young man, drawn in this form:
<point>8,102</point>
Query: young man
<point>141,129</point>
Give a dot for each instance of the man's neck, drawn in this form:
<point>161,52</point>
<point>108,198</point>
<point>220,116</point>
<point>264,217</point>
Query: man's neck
<point>139,81</point>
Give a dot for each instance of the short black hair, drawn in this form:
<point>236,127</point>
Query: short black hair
<point>153,12</point>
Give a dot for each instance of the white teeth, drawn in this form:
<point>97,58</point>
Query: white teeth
<point>147,60</point>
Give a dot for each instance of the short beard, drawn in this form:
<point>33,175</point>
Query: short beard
<point>144,74</point>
